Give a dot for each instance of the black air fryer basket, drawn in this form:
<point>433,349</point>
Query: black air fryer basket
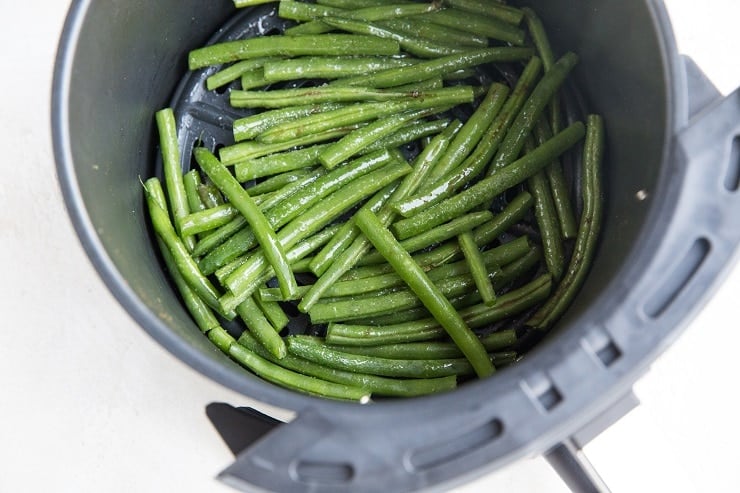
<point>670,231</point>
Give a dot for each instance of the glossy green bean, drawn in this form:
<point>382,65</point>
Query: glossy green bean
<point>240,198</point>
<point>490,27</point>
<point>427,329</point>
<point>478,268</point>
<point>281,162</point>
<point>588,231</point>
<point>430,296</point>
<point>354,142</point>
<point>302,383</point>
<point>434,32</point>
<point>377,385</point>
<point>185,264</point>
<point>445,185</point>
<point>525,121</point>
<point>174,185</point>
<point>289,46</point>
<point>485,190</point>
<point>436,67</point>
<point>414,45</point>
<point>547,221</point>
<point>241,282</point>
<point>330,67</point>
<point>261,328</point>
<point>273,311</point>
<point>430,368</point>
<point>363,112</point>
<point>207,220</point>
<point>235,71</point>
<point>506,13</point>
<point>251,126</point>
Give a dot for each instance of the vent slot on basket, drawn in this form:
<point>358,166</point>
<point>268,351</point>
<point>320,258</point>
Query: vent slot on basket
<point>732,177</point>
<point>543,391</point>
<point>455,448</point>
<point>677,278</point>
<point>323,472</point>
<point>602,347</point>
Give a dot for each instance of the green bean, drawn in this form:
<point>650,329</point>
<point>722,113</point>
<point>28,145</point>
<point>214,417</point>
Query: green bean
<point>547,221</point>
<point>280,98</point>
<point>355,141</point>
<point>242,151</point>
<point>410,133</point>
<point>330,67</point>
<point>444,186</point>
<point>588,231</point>
<point>252,79</point>
<point>363,112</point>
<point>351,255</point>
<point>321,44</point>
<point>295,255</point>
<point>558,185</point>
<point>185,264</point>
<point>375,384</point>
<point>414,45</point>
<point>430,296</point>
<point>207,220</point>
<point>478,268</point>
<point>198,309</point>
<point>278,163</point>
<point>477,316</point>
<point>430,368</point>
<point>174,185</point>
<point>527,118</point>
<point>261,228</point>
<point>242,281</point>
<point>423,162</point>
<point>485,190</point>
<point>387,278</point>
<point>312,14</point>
<point>251,126</point>
<point>210,195</point>
<point>325,185</point>
<point>450,280</point>
<point>220,338</point>
<point>336,337</point>
<point>484,26</point>
<point>415,350</point>
<point>235,71</point>
<point>438,234</point>
<point>511,15</point>
<point>293,380</point>
<point>291,182</point>
<point>278,184</point>
<point>261,328</point>
<point>542,44</point>
<point>191,180</point>
<point>472,132</point>
<point>434,32</point>
<point>344,237</point>
<point>273,311</point>
<point>311,192</point>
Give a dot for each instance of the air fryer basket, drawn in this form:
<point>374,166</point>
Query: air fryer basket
<point>669,232</point>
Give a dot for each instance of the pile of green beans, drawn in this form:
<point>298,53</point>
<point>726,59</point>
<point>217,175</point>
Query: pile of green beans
<point>393,215</point>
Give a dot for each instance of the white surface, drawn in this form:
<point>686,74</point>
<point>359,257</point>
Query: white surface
<point>88,402</point>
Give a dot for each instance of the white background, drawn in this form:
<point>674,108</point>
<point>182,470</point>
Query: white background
<point>88,402</point>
